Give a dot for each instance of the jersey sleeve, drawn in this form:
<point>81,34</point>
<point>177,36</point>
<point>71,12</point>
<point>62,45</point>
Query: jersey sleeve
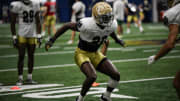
<point>14,7</point>
<point>171,17</point>
<point>81,25</point>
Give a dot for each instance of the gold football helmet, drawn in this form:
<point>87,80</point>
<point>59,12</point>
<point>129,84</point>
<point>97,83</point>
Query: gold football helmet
<point>172,3</point>
<point>102,13</point>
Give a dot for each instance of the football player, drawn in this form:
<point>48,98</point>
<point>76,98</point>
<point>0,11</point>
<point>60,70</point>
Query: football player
<point>172,20</point>
<point>50,18</point>
<point>131,10</point>
<point>93,32</point>
<point>27,14</point>
<point>78,12</point>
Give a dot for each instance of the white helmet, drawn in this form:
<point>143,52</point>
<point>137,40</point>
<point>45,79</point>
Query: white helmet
<point>26,1</point>
<point>102,13</point>
<point>172,3</point>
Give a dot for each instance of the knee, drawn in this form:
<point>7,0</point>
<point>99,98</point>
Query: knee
<point>116,76</point>
<point>92,78</point>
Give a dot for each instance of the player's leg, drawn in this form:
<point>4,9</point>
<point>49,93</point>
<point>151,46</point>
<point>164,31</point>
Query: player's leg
<point>176,83</point>
<point>90,73</point>
<point>83,61</point>
<point>106,67</point>
<point>73,34</point>
<point>31,49</point>
<point>53,24</point>
<point>21,55</point>
<point>141,29</point>
<point>129,19</point>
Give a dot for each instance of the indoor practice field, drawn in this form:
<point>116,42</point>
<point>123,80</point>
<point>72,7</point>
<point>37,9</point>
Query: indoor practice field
<point>59,79</point>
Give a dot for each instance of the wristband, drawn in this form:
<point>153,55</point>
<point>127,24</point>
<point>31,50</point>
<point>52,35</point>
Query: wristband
<point>14,37</point>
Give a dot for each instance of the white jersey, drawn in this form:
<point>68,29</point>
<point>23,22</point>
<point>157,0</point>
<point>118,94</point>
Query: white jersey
<point>173,15</point>
<point>118,8</point>
<point>26,17</point>
<point>91,35</point>
<point>79,9</point>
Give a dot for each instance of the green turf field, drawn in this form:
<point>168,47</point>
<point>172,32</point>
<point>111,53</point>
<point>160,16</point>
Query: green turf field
<point>60,79</point>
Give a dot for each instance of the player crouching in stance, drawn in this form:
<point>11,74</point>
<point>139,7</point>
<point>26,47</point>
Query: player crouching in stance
<point>172,20</point>
<point>93,32</point>
<point>27,13</point>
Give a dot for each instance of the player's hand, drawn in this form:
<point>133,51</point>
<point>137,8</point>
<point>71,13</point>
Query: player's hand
<point>48,44</point>
<point>39,40</point>
<point>151,59</point>
<point>121,42</point>
<point>15,41</point>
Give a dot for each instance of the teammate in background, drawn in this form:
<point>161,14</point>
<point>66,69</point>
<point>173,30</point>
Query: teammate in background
<point>93,32</point>
<point>78,12</point>
<point>172,20</point>
<point>132,14</point>
<point>43,12</point>
<point>140,14</point>
<point>27,13</point>
<point>119,13</point>
<point>50,17</point>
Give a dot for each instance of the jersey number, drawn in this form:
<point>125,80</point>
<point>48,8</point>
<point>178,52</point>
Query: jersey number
<point>28,16</point>
<point>99,40</point>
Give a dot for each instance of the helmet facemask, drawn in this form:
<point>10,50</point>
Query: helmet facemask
<point>27,2</point>
<point>102,13</point>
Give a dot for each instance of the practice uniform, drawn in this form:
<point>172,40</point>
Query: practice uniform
<point>27,23</point>
<point>90,39</point>
<point>132,12</point>
<point>118,8</point>
<point>50,17</point>
<point>172,16</point>
<point>79,9</point>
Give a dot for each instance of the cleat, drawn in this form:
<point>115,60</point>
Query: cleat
<point>105,98</point>
<point>19,82</point>
<point>30,81</point>
<point>70,42</point>
<point>77,99</point>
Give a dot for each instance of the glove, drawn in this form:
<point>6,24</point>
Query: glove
<point>49,44</point>
<point>151,59</point>
<point>39,40</point>
<point>15,41</point>
<point>121,42</point>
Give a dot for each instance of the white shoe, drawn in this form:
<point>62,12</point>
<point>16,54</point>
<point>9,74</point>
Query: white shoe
<point>105,98</point>
<point>69,42</point>
<point>30,81</point>
<point>128,31</point>
<point>19,82</point>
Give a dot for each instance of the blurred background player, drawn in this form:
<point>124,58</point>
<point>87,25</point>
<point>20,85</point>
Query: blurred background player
<point>27,13</point>
<point>172,20</point>
<point>93,31</point>
<point>50,17</point>
<point>131,10</point>
<point>78,12</point>
<point>119,13</point>
<point>43,12</point>
<point>5,14</point>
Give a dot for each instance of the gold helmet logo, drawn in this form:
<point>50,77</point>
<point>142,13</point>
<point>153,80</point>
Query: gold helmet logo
<point>102,13</point>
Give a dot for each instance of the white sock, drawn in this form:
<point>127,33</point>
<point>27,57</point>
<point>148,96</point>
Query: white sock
<point>20,77</point>
<point>141,29</point>
<point>80,98</point>
<point>107,94</point>
<point>29,76</point>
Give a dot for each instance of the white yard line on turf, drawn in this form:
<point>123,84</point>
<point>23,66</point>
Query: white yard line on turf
<point>70,65</point>
<point>70,52</point>
<point>121,82</point>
